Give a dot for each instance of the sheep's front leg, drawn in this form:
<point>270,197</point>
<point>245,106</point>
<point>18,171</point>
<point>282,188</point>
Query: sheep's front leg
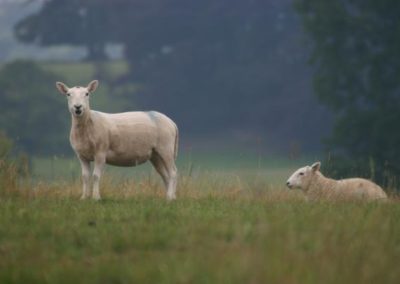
<point>85,165</point>
<point>99,162</point>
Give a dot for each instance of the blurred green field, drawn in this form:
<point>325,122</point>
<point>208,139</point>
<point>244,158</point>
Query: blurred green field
<point>243,165</point>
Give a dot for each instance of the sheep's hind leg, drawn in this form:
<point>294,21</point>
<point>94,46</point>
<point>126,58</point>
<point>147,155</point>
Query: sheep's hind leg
<point>168,173</point>
<point>173,177</point>
<point>159,166</point>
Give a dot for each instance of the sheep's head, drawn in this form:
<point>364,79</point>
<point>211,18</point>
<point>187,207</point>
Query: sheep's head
<point>302,177</point>
<point>78,97</point>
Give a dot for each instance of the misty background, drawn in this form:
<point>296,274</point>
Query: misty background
<point>278,77</point>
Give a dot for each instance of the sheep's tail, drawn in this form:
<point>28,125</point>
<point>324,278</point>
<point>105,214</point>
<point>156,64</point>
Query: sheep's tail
<point>176,142</point>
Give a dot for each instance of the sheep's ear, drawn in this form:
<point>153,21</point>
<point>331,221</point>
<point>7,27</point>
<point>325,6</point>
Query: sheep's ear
<point>316,166</point>
<point>92,86</point>
<point>62,88</point>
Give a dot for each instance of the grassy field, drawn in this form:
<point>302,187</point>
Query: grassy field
<point>225,227</point>
<point>272,169</point>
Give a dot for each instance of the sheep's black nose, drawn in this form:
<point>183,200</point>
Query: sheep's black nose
<point>77,106</point>
<point>287,183</point>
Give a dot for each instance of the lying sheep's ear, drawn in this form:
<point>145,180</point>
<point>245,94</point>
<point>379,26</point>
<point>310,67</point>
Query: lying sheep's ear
<point>92,86</point>
<point>62,88</point>
<point>316,166</point>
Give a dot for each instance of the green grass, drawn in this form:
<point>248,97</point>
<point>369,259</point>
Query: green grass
<point>220,230</point>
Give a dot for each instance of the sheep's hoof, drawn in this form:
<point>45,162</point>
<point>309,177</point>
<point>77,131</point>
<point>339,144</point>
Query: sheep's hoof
<point>171,197</point>
<point>83,197</point>
<point>97,198</point>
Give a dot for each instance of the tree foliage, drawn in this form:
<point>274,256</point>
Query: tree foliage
<point>357,73</point>
<point>30,108</point>
<point>73,22</point>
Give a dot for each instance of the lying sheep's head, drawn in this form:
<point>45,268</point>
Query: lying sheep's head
<point>78,97</point>
<point>302,177</point>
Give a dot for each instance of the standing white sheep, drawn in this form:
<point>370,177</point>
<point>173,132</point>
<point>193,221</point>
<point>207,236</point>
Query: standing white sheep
<point>120,139</point>
<point>316,186</point>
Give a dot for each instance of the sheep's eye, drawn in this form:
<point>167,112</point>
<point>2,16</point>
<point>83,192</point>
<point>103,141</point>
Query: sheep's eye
<point>301,174</point>
<point>87,94</point>
<point>68,94</point>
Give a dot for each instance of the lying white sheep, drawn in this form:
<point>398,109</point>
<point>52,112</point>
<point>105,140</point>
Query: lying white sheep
<point>120,139</point>
<point>316,186</point>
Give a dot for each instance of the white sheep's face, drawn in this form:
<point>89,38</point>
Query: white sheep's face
<point>78,97</point>
<point>301,178</point>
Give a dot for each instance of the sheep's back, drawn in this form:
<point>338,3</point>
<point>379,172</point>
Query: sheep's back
<point>359,188</point>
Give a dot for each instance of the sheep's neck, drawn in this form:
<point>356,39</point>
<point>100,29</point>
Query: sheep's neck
<point>82,122</point>
<point>320,185</point>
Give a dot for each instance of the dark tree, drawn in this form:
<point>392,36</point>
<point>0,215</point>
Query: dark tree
<point>70,22</point>
<point>355,52</point>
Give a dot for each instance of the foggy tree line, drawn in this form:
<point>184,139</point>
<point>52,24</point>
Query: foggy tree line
<point>240,66</point>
